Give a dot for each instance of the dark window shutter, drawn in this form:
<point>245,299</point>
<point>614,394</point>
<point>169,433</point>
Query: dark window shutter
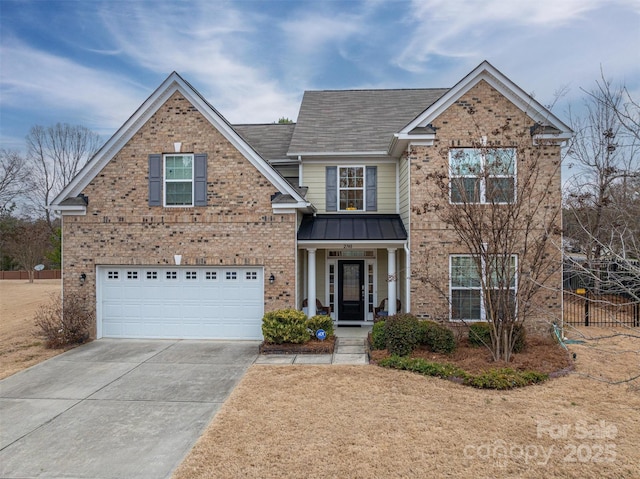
<point>332,188</point>
<point>200,179</point>
<point>372,188</point>
<point>155,180</point>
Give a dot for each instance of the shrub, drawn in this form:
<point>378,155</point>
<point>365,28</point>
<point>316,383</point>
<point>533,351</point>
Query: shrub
<point>320,321</point>
<point>480,334</point>
<point>421,366</point>
<point>505,378</point>
<point>285,326</point>
<point>402,332</point>
<point>378,337</point>
<point>64,323</point>
<point>437,337</point>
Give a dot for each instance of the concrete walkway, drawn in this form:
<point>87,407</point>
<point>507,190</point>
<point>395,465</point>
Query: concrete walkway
<point>350,349</point>
<point>116,408</point>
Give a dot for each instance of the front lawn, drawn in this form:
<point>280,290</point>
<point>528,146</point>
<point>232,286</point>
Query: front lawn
<point>367,421</point>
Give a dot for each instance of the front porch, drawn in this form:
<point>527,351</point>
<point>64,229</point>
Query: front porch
<point>351,264</point>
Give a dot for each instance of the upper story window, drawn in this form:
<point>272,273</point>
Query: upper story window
<point>178,180</point>
<point>351,188</point>
<point>482,175</point>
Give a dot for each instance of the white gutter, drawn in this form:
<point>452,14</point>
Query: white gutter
<point>338,153</point>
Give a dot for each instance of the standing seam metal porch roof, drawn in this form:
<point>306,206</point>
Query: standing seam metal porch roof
<point>352,227</point>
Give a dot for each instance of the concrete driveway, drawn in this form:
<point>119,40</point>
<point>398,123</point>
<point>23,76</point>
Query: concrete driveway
<point>116,408</point>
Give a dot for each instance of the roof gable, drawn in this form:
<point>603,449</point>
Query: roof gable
<point>554,127</point>
<point>173,83</point>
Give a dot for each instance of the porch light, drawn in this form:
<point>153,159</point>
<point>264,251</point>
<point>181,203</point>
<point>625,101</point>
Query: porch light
<point>272,279</point>
<point>83,278</point>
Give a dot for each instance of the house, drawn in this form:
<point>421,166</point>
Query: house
<point>185,226</point>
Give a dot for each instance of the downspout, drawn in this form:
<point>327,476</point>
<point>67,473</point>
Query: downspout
<point>299,285</point>
<point>407,245</point>
<point>62,266</point>
<point>407,292</point>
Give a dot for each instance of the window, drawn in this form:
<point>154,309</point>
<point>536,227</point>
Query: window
<point>351,188</point>
<point>482,175</point>
<point>171,275</point>
<point>152,275</point>
<point>112,275</point>
<point>178,180</point>
<point>191,275</point>
<point>466,288</point>
<point>211,275</point>
<point>251,275</point>
<point>231,275</point>
<point>132,275</point>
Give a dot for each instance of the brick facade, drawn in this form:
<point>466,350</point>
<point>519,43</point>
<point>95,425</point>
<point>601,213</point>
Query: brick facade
<point>238,227</point>
<point>482,111</point>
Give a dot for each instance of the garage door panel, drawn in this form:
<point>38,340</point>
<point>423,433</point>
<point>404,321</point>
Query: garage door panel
<point>187,302</point>
<point>113,329</point>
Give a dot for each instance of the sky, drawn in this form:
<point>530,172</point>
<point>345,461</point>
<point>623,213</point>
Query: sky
<point>93,63</point>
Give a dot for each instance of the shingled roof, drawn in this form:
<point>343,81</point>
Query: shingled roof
<point>270,140</point>
<point>348,121</point>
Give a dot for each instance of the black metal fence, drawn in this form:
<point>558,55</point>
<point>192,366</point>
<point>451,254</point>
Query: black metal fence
<point>584,308</point>
<point>606,295</point>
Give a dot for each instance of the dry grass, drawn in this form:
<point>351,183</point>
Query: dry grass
<point>19,300</point>
<point>365,421</point>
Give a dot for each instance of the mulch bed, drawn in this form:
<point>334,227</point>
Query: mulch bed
<point>311,347</point>
<point>541,355</point>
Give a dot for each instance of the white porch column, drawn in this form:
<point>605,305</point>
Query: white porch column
<point>392,280</point>
<point>311,282</point>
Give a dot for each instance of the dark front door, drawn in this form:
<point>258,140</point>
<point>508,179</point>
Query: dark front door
<point>350,290</point>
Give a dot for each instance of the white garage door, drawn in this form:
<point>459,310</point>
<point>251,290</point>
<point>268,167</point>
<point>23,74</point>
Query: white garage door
<point>180,302</point>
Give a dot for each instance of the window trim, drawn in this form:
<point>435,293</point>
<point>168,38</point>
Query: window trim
<point>483,307</point>
<point>165,180</point>
<point>363,189</point>
<point>481,177</point>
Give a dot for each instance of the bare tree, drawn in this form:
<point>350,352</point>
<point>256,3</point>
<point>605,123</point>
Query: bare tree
<point>28,244</point>
<point>602,204</point>
<point>57,153</point>
<point>502,200</point>
<point>14,174</point>
<point>618,100</point>
<point>606,154</point>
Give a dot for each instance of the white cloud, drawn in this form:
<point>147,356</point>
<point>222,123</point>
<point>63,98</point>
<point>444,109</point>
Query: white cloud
<point>467,28</point>
<point>312,32</point>
<point>208,46</point>
<point>38,81</point>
